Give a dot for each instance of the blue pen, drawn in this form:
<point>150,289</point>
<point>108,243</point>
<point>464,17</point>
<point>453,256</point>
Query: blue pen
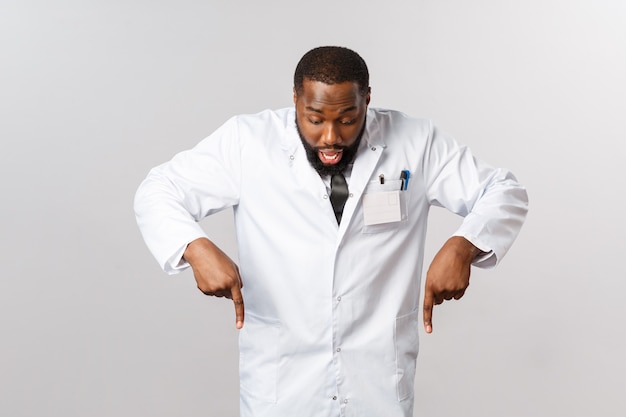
<point>404,176</point>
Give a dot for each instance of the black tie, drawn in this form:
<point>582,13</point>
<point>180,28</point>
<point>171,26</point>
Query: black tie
<point>338,194</point>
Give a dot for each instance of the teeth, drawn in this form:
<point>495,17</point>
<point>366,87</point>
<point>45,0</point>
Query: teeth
<point>331,157</point>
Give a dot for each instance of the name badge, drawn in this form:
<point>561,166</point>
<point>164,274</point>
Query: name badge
<point>381,207</point>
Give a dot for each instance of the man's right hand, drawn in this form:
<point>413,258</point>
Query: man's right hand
<point>216,274</point>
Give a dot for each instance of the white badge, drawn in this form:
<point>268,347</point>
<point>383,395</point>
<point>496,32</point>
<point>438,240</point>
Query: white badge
<point>381,207</point>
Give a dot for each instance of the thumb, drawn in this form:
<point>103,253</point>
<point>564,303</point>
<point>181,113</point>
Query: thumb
<point>428,310</point>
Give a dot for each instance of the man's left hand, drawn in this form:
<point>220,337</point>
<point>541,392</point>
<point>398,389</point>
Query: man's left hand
<point>448,275</point>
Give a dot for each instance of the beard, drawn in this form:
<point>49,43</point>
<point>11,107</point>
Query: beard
<point>347,157</point>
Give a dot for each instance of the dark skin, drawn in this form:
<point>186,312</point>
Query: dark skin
<point>332,115</point>
<point>216,274</point>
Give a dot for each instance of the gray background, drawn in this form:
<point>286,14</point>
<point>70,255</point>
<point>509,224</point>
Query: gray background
<point>94,93</point>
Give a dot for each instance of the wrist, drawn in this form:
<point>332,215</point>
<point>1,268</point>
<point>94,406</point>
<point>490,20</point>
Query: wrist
<point>195,249</point>
<point>464,248</point>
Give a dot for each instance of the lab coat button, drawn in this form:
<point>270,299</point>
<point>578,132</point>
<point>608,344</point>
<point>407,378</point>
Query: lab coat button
<point>373,148</point>
<point>325,196</point>
<point>339,298</point>
<point>345,401</point>
<point>291,157</point>
<point>338,349</point>
<point>334,397</point>
<point>350,195</point>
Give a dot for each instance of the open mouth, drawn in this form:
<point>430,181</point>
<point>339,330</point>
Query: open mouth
<point>330,157</point>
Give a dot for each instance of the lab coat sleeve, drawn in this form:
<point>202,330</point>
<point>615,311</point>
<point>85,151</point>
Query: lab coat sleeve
<point>177,194</point>
<point>492,202</point>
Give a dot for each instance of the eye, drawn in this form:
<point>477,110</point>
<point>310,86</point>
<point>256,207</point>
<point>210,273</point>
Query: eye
<point>348,122</point>
<point>315,122</point>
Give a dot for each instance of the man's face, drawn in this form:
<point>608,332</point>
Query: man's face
<point>331,120</point>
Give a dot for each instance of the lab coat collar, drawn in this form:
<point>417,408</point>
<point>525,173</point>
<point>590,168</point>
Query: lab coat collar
<point>372,128</point>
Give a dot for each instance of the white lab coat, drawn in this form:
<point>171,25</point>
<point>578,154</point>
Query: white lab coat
<point>331,325</point>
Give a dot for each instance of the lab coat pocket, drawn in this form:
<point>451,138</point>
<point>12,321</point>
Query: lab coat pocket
<point>407,346</point>
<point>258,357</point>
<point>384,206</point>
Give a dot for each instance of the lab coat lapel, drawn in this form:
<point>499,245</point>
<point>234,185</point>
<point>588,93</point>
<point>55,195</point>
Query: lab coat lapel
<point>301,171</point>
<point>371,149</point>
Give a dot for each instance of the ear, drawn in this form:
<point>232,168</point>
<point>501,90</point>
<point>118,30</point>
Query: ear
<point>368,96</point>
<point>295,96</point>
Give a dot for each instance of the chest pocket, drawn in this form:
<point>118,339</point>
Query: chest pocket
<point>384,206</point>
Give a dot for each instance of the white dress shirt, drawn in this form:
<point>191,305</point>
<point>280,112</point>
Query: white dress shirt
<point>331,325</point>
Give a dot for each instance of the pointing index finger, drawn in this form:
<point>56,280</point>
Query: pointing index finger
<point>428,311</point>
<point>239,306</point>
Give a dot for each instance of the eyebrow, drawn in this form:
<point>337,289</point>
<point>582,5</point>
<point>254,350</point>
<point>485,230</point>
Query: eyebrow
<point>342,111</point>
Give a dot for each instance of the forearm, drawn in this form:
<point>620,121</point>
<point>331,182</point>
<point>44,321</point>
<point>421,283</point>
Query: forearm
<point>496,217</point>
<point>491,200</point>
<point>165,221</point>
<point>176,195</point>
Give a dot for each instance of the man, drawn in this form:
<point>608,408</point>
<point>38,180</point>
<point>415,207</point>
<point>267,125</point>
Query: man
<point>331,202</point>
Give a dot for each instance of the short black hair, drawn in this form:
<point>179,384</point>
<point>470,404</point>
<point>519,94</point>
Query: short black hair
<point>332,65</point>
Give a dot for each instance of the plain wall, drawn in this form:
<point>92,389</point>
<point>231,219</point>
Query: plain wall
<point>95,93</point>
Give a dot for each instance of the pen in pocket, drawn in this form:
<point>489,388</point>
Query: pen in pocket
<point>404,176</point>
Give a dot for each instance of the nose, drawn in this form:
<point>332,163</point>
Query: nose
<point>331,135</point>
